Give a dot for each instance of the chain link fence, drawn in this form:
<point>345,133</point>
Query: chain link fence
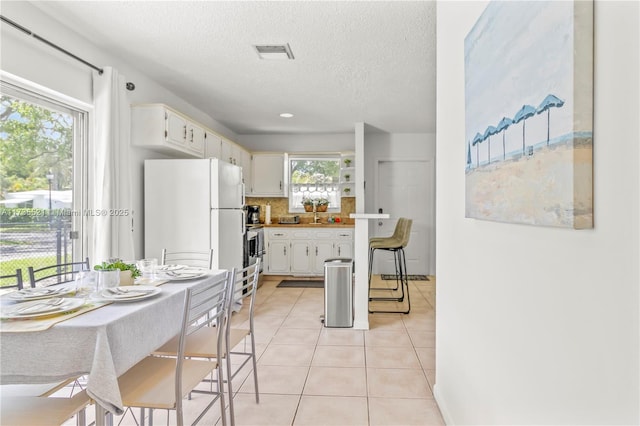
<point>36,243</point>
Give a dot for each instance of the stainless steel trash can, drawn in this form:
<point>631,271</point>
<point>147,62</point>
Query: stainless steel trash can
<point>338,292</point>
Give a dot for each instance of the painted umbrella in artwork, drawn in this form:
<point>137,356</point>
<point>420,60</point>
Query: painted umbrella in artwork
<point>546,105</point>
<point>525,112</point>
<point>487,136</point>
<point>476,140</point>
<point>502,127</point>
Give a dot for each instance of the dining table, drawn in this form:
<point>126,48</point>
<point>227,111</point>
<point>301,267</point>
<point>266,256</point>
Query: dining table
<point>101,343</point>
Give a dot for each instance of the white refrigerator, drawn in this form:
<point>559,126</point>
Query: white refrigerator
<point>194,205</point>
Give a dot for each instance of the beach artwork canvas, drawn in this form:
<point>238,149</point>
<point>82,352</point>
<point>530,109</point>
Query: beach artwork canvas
<point>529,114</point>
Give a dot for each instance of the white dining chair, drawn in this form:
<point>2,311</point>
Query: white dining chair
<point>56,274</point>
<point>159,382</point>
<point>202,344</point>
<point>23,410</point>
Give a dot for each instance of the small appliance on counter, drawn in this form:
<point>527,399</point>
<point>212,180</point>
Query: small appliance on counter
<point>289,220</point>
<point>253,215</point>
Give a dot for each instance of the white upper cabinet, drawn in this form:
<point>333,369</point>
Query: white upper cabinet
<point>268,173</point>
<point>246,170</point>
<point>175,129</point>
<point>212,145</point>
<point>230,152</point>
<point>162,129</point>
<point>195,138</point>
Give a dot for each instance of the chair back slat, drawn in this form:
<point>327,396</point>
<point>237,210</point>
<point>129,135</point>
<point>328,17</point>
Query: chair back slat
<point>208,304</point>
<point>61,272</point>
<point>16,280</point>
<point>202,259</point>
<point>246,281</point>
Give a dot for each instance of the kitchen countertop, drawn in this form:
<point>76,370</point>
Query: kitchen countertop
<point>310,225</point>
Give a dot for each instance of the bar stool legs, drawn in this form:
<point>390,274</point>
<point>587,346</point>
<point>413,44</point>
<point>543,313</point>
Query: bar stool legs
<point>402,283</point>
<point>371,252</point>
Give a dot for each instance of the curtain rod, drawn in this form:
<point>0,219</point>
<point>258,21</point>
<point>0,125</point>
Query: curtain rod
<point>130,86</point>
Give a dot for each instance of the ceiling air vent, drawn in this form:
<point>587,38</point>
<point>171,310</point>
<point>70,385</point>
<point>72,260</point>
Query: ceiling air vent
<point>274,51</point>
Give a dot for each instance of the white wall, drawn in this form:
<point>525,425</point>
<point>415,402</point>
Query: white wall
<point>541,325</point>
<point>314,142</point>
<point>30,59</point>
<point>398,147</point>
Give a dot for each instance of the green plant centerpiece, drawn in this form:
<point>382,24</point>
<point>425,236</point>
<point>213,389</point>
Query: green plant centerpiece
<point>128,271</point>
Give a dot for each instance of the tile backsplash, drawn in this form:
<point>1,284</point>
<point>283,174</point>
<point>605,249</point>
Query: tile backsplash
<point>280,207</point>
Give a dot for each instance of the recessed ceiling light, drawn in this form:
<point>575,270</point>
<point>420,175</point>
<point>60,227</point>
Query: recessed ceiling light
<point>273,51</point>
<point>286,115</point>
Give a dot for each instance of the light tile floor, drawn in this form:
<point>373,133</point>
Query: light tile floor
<point>312,375</point>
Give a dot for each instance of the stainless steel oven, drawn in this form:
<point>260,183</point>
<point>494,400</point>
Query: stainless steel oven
<point>253,245</point>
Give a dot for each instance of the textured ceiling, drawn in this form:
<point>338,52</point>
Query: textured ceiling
<point>354,61</point>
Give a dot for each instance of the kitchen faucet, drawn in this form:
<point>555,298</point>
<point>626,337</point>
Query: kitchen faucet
<point>316,219</point>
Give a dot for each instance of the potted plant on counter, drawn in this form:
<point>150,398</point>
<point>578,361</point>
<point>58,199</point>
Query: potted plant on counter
<point>308,204</point>
<point>128,271</point>
<point>322,205</point>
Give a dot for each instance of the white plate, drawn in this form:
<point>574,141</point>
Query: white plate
<point>40,293</point>
<point>187,273</point>
<point>128,293</point>
<point>36,308</point>
<point>169,267</point>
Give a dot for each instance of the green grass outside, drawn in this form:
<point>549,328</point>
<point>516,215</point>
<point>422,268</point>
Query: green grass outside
<point>9,267</point>
<point>14,243</point>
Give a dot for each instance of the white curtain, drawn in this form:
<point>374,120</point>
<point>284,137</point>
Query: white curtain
<point>111,230</point>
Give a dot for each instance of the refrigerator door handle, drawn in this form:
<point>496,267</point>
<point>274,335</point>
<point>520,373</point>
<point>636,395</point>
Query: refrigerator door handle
<point>242,224</point>
<point>242,194</point>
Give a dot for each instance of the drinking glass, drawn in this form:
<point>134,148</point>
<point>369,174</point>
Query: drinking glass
<point>108,278</point>
<point>85,283</point>
<point>148,268</point>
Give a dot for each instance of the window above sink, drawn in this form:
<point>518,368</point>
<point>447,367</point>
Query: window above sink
<point>316,177</point>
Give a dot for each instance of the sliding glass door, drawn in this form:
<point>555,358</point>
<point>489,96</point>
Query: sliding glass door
<point>42,180</point>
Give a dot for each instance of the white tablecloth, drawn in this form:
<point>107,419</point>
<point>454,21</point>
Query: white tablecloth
<point>103,343</point>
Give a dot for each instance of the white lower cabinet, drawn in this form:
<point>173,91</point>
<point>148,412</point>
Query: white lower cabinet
<point>344,244</point>
<point>303,251</point>
<point>277,244</point>
<point>300,257</point>
<point>322,251</point>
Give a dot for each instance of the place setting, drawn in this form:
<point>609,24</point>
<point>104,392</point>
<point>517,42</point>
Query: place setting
<point>176,272</point>
<point>127,294</point>
<point>41,307</point>
<point>37,293</point>
<point>180,272</point>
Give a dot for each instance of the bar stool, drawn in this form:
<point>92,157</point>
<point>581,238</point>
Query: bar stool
<point>396,246</point>
<point>387,241</point>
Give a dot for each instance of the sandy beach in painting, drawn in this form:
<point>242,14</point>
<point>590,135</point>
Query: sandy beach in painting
<point>551,187</point>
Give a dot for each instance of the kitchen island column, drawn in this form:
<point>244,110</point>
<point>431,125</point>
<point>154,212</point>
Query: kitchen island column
<point>361,257</point>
